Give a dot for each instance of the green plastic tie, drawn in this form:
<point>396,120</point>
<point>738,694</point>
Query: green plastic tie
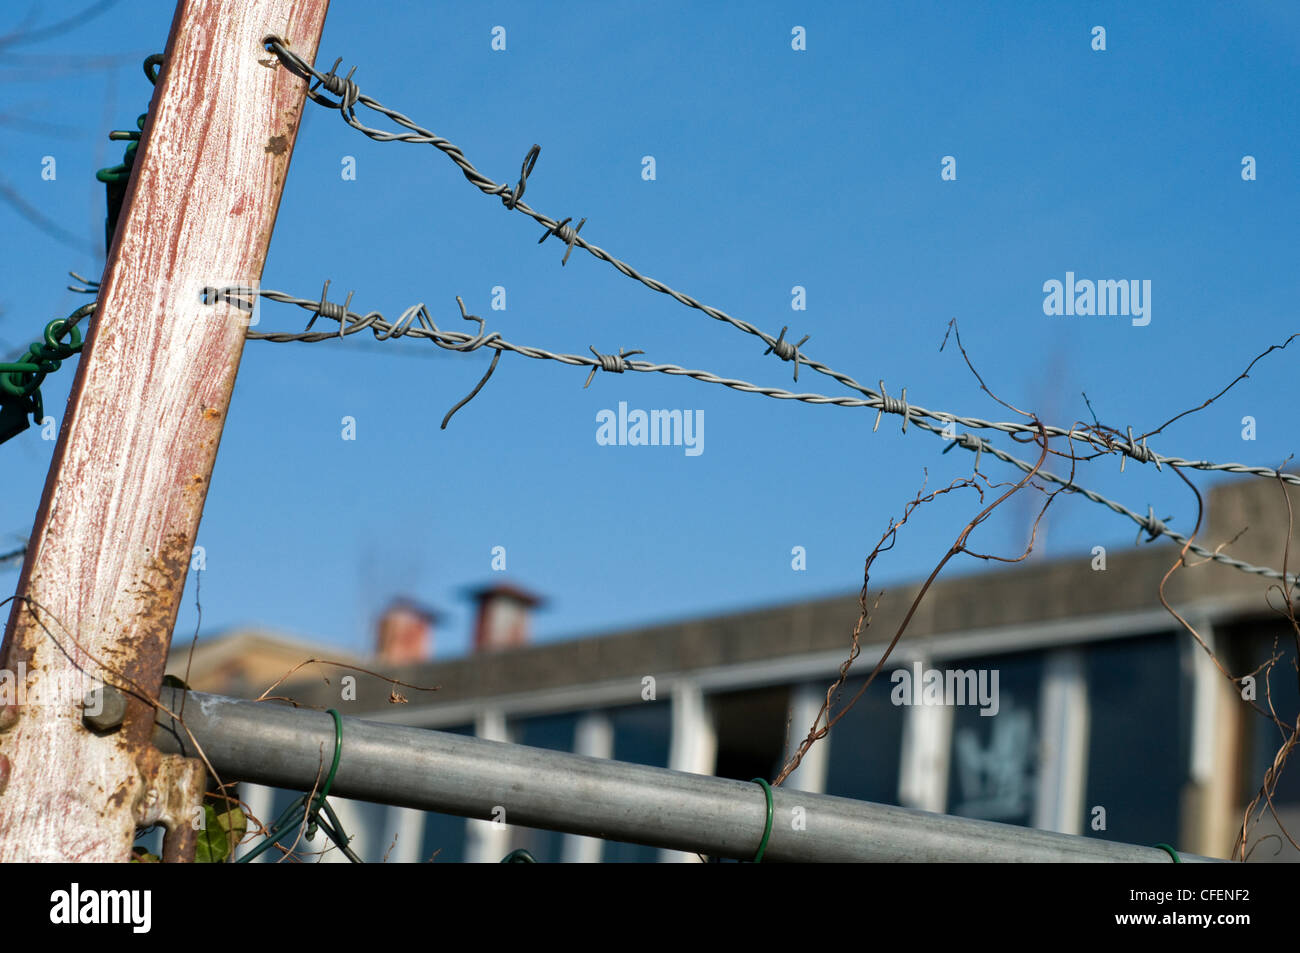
<point>329,780</point>
<point>1171,852</point>
<point>301,810</point>
<point>767,829</point>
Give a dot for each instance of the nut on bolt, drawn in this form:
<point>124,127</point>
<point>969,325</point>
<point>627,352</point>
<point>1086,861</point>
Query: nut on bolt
<point>104,708</point>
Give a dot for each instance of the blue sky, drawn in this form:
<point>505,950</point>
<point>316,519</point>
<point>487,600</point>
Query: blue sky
<point>774,168</point>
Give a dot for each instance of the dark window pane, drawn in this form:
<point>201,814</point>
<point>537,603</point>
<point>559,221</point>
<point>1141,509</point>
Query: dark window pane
<point>993,773</point>
<point>367,824</point>
<point>445,833</point>
<point>1279,688</point>
<point>865,744</point>
<point>556,733</point>
<point>750,725</point>
<point>1139,699</point>
<point>642,735</point>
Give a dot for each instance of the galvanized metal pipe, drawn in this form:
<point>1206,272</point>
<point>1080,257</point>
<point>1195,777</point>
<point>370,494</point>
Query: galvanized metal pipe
<point>285,747</point>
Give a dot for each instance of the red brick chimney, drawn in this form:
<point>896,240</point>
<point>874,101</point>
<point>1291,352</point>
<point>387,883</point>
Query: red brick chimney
<point>504,614</point>
<point>405,633</point>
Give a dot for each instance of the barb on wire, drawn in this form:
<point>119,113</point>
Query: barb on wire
<point>1138,452</point>
<point>351,323</point>
<point>87,286</point>
<point>969,441</point>
<point>790,352</point>
<point>564,233</point>
<point>525,171</point>
<point>890,405</point>
<point>328,309</point>
<point>610,363</point>
<point>1152,526</point>
<point>343,87</point>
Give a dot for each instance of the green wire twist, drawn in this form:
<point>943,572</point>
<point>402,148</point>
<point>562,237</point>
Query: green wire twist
<point>24,377</point>
<point>302,809</point>
<point>122,171</point>
<point>20,381</point>
<point>115,177</point>
<point>767,828</point>
<point>329,779</point>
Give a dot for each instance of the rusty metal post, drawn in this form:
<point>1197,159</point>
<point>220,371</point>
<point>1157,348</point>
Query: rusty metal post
<point>108,556</point>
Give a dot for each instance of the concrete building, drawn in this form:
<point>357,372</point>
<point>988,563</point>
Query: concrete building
<point>1074,701</point>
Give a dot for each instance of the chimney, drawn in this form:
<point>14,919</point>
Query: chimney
<point>504,614</point>
<point>405,633</point>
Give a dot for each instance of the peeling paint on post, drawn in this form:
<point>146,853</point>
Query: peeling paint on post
<point>107,561</point>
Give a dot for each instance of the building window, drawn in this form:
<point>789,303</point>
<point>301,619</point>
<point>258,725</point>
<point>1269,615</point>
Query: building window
<point>993,769</point>
<point>555,733</point>
<point>1139,739</point>
<point>368,826</point>
<point>642,735</point>
<point>1265,737</point>
<point>865,745</point>
<point>750,727</point>
<point>1257,643</point>
<point>445,834</point>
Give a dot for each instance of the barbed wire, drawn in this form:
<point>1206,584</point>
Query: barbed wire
<point>1103,439</point>
<point>417,322</point>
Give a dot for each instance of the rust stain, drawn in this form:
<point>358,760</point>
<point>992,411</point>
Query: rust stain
<point>277,145</point>
<point>118,798</point>
<point>140,652</point>
<point>212,413</point>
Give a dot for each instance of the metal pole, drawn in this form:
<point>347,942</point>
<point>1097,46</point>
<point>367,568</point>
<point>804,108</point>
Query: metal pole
<point>413,767</point>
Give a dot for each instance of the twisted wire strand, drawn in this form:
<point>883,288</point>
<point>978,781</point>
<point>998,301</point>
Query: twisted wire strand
<point>353,323</point>
<point>350,96</point>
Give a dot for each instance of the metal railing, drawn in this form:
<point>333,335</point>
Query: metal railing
<point>287,747</point>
